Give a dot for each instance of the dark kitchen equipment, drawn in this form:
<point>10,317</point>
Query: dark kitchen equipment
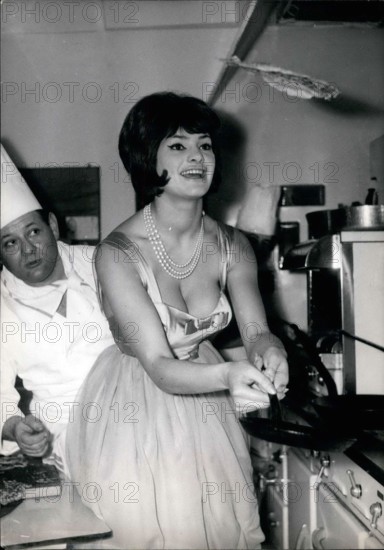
<point>363,411</point>
<point>288,236</point>
<point>323,253</point>
<point>325,222</point>
<point>323,250</point>
<point>276,430</point>
<point>329,222</point>
<point>305,341</point>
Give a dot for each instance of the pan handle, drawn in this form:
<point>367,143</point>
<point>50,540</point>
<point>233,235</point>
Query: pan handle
<point>276,413</point>
<point>362,340</point>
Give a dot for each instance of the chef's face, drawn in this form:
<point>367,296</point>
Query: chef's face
<point>189,162</point>
<point>29,249</point>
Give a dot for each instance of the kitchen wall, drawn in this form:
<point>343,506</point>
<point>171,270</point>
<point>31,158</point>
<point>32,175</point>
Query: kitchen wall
<point>68,83</point>
<point>69,77</point>
<point>283,140</point>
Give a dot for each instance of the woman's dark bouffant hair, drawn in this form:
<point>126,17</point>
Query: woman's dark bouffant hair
<point>152,119</point>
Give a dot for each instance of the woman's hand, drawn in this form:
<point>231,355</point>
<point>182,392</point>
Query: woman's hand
<point>275,367</point>
<point>248,386</point>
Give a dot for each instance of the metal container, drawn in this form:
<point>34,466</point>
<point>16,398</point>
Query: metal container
<point>364,217</point>
<point>325,222</point>
<point>328,222</point>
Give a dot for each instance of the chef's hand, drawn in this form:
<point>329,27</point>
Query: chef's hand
<point>32,436</point>
<point>274,366</point>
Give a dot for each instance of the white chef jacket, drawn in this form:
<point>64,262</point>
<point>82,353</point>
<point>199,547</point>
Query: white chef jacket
<point>51,353</point>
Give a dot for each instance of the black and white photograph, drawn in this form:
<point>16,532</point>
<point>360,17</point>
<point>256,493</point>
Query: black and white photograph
<point>192,275</point>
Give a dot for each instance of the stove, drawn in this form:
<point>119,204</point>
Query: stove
<point>333,500</point>
<point>345,297</point>
<point>314,500</point>
<point>347,501</point>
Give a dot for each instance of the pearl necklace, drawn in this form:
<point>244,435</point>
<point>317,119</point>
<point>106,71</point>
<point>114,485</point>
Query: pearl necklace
<point>177,271</point>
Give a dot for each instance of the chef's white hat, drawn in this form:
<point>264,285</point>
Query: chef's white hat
<point>16,197</point>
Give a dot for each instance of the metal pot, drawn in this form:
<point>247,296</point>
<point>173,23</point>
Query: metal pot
<point>325,222</point>
<point>364,217</point>
<point>329,222</point>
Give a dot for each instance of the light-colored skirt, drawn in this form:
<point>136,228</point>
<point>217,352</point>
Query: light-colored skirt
<point>162,470</point>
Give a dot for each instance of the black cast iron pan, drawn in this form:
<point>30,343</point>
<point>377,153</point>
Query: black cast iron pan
<point>351,411</point>
<point>364,412</point>
<point>276,430</point>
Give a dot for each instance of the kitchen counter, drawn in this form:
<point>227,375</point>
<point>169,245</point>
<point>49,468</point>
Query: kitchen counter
<point>51,521</point>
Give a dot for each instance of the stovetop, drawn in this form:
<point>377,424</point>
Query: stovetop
<point>367,452</point>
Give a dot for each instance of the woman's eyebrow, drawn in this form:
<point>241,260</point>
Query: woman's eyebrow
<point>181,136</point>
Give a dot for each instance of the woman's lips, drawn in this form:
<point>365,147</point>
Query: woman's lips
<point>193,173</point>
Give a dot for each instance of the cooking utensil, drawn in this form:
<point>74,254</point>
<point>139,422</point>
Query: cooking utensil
<point>364,412</point>
<point>366,216</point>
<point>362,340</point>
<point>328,222</point>
<point>279,431</point>
<point>325,222</point>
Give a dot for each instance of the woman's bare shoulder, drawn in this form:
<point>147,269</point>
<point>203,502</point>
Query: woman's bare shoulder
<point>127,239</point>
<point>131,229</point>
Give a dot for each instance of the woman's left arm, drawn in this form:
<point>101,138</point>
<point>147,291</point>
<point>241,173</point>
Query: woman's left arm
<point>264,349</point>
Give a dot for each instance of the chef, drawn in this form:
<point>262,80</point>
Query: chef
<point>52,328</point>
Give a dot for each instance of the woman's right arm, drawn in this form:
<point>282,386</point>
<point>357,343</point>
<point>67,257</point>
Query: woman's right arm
<point>131,306</point>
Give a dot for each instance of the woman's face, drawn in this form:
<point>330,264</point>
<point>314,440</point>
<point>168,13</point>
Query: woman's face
<point>189,162</point>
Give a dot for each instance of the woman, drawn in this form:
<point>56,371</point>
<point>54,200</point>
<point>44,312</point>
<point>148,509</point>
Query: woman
<point>167,464</point>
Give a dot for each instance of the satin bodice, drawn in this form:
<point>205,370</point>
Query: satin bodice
<point>184,331</point>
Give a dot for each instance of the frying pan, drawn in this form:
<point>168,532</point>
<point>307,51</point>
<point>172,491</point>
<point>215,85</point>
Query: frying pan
<point>276,430</point>
<point>364,412</point>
